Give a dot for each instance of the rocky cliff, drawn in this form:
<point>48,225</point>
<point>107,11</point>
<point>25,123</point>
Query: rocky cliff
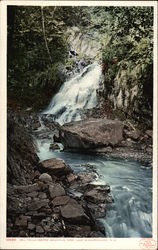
<point>21,152</point>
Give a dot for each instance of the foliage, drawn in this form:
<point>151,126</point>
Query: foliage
<point>130,46</point>
<point>37,45</point>
<point>29,68</point>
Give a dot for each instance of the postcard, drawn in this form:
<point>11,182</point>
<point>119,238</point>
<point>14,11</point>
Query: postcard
<point>78,130</point>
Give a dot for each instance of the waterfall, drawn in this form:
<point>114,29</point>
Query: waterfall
<point>75,95</point>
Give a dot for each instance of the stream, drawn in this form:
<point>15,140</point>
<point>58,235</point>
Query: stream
<point>131,183</point>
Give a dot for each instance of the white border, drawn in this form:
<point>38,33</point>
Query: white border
<point>66,243</point>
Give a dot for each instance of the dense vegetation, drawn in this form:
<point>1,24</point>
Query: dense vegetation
<point>127,47</point>
<point>38,50</point>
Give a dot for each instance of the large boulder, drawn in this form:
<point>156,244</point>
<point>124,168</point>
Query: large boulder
<point>55,166</point>
<point>91,133</point>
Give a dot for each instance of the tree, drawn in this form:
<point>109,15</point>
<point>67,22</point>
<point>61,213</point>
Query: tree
<point>30,65</point>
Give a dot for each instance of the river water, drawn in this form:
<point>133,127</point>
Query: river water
<point>131,183</point>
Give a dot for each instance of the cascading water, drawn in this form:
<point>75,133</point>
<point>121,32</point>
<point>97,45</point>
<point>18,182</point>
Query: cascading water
<point>75,95</point>
<point>131,183</point>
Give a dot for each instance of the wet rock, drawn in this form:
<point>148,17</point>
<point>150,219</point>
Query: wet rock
<point>86,178</point>
<point>54,146</point>
<point>74,213</point>
<point>60,200</point>
<point>56,137</point>
<point>56,190</point>
<point>97,210</point>
<point>71,178</point>
<point>21,221</point>
<point>45,177</point>
<point>55,166</point>
<point>91,133</point>
<point>98,194</point>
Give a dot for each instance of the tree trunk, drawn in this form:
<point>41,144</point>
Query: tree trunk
<point>44,34</point>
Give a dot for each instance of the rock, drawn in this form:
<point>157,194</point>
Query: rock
<point>60,200</point>
<point>15,207</point>
<point>103,150</point>
<point>97,210</point>
<point>149,150</point>
<point>36,125</point>
<point>96,235</point>
<point>56,137</point>
<point>39,229</point>
<point>37,215</point>
<point>31,226</point>
<point>23,234</point>
<point>71,178</point>
<point>55,216</point>
<point>78,230</point>
<point>36,205</point>
<point>33,194</point>
<point>55,166</point>
<point>42,195</point>
<point>21,152</point>
<point>27,188</point>
<point>21,221</point>
<point>97,194</point>
<point>128,143</point>
<point>72,202</point>
<point>149,133</point>
<point>45,177</point>
<point>86,178</point>
<point>47,228</point>
<point>135,134</point>
<point>109,199</point>
<point>54,146</point>
<point>56,190</point>
<point>36,174</point>
<point>74,214</point>
<point>91,133</point>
